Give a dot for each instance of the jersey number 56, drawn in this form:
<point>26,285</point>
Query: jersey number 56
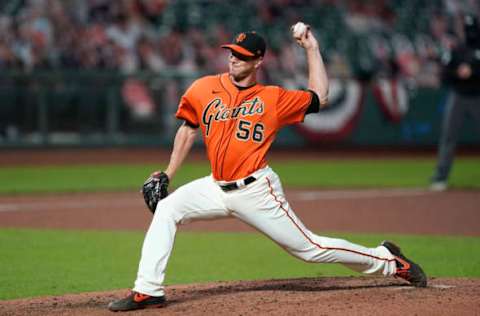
<point>245,131</point>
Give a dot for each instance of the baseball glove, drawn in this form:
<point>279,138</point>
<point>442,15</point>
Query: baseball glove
<point>154,189</point>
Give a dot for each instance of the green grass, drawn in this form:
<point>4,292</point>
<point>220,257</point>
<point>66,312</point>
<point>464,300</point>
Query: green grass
<point>295,173</point>
<point>43,262</point>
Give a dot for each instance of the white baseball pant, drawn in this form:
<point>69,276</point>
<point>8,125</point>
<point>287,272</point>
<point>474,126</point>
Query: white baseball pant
<point>261,204</point>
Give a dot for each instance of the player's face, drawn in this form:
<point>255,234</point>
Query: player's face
<point>240,66</point>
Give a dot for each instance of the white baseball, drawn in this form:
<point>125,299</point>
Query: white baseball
<point>299,29</point>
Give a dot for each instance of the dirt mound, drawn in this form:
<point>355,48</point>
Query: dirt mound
<point>308,296</point>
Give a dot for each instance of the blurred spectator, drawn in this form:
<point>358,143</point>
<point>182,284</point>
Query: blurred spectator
<point>363,39</point>
<point>149,58</point>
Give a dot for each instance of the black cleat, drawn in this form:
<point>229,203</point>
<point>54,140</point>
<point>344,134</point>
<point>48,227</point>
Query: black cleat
<point>137,301</point>
<point>406,268</point>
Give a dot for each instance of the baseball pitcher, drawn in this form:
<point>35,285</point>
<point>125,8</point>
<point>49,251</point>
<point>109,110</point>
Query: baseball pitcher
<point>239,118</point>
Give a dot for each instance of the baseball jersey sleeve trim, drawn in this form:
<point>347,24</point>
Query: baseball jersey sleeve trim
<point>190,124</point>
<point>187,117</point>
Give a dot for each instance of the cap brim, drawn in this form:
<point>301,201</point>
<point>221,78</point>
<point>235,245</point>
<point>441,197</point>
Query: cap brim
<point>238,49</point>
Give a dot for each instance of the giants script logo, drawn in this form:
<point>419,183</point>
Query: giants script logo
<point>217,111</point>
<point>241,37</point>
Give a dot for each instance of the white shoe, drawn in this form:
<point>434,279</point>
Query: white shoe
<point>438,186</point>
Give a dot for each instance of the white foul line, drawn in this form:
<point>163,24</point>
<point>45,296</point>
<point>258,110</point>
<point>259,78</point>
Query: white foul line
<point>356,194</point>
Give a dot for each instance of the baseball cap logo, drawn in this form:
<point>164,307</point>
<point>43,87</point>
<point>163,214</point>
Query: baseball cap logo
<point>240,37</point>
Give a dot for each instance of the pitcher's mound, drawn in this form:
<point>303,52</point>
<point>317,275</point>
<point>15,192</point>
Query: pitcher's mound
<point>307,296</point>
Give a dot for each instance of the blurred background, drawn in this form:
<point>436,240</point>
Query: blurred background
<point>88,92</point>
<point>110,73</point>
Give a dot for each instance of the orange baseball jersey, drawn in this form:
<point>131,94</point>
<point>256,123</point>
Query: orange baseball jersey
<point>239,125</point>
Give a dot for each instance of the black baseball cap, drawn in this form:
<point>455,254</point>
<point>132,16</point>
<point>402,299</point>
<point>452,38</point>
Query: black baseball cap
<point>248,44</point>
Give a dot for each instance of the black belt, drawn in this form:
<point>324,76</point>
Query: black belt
<point>233,185</point>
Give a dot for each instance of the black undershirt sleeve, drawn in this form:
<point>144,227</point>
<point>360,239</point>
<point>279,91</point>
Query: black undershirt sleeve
<point>189,124</point>
<point>314,106</point>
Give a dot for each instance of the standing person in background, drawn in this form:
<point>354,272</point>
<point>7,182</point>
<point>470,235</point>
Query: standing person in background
<point>239,118</point>
<point>462,73</point>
